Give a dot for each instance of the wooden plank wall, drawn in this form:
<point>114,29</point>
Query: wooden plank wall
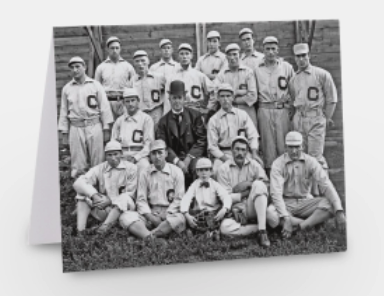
<point>71,41</point>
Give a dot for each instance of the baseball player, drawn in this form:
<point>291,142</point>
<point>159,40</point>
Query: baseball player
<point>199,87</point>
<point>205,195</point>
<point>250,56</point>
<point>106,190</point>
<point>114,74</point>
<point>184,133</point>
<point>242,80</point>
<point>166,66</point>
<point>134,130</point>
<point>149,86</point>
<point>84,120</point>
<point>214,60</point>
<point>272,77</point>
<point>314,96</point>
<point>245,180</point>
<point>292,206</point>
<point>159,192</point>
<point>226,124</point>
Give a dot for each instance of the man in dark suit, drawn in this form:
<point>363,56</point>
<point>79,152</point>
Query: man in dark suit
<point>182,129</point>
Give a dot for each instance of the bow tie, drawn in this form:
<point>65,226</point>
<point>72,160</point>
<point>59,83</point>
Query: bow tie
<point>204,184</point>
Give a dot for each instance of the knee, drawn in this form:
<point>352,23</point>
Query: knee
<point>177,222</point>
<point>273,218</point>
<point>228,226</point>
<point>128,218</point>
<point>259,189</point>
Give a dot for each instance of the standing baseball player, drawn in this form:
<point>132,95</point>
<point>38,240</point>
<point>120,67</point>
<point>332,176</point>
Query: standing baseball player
<point>214,60</point>
<point>114,74</point>
<point>199,87</point>
<point>245,180</point>
<point>85,116</point>
<point>106,190</point>
<point>166,66</point>
<point>203,197</point>
<point>314,96</point>
<point>272,77</point>
<point>250,57</point>
<point>293,207</point>
<point>159,192</point>
<point>134,130</point>
<point>149,86</point>
<point>242,80</point>
<point>225,125</point>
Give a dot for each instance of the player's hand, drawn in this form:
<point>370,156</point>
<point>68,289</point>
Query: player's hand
<point>330,123</point>
<point>155,221</point>
<point>220,215</point>
<point>291,112</point>
<point>107,135</point>
<point>131,159</point>
<point>239,216</point>
<point>192,221</point>
<point>240,92</point>
<point>287,227</point>
<point>100,201</point>
<point>65,139</point>
<point>242,186</point>
<point>340,221</point>
<point>224,158</point>
<point>183,167</point>
<point>245,194</point>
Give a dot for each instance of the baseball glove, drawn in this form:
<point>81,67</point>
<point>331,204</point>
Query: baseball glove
<point>239,213</point>
<point>205,220</point>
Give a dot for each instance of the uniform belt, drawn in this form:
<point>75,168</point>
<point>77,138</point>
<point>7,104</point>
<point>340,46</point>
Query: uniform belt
<point>85,122</point>
<point>294,197</point>
<point>132,148</point>
<point>224,148</point>
<point>274,105</point>
<point>310,113</point>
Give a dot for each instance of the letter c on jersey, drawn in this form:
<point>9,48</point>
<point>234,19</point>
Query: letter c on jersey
<point>155,94</point>
<point>137,136</point>
<point>313,93</point>
<point>196,93</point>
<point>92,102</point>
<point>283,83</point>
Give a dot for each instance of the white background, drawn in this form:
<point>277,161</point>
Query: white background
<point>26,29</point>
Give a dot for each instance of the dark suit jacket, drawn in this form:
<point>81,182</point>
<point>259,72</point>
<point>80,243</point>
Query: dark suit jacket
<point>193,134</point>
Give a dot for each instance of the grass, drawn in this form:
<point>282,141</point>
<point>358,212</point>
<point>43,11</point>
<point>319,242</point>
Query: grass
<point>118,250</point>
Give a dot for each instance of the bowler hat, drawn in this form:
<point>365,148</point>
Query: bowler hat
<point>177,87</point>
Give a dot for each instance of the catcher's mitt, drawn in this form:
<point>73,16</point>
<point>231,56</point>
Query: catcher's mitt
<point>205,220</point>
<point>240,213</point>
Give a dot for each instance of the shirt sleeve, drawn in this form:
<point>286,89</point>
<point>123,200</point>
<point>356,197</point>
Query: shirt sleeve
<point>277,189</point>
<point>329,89</point>
<point>252,134</point>
<point>179,192</point>
<point>224,196</point>
<point>142,194</point>
<point>224,180</point>
<point>213,138</point>
<point>198,64</point>
<point>98,74</point>
<point>105,108</point>
<point>187,199</point>
<point>131,186</point>
<point>131,72</point>
<point>63,119</point>
<point>116,130</point>
<point>326,185</point>
<point>251,97</point>
<point>84,185</point>
<point>148,137</point>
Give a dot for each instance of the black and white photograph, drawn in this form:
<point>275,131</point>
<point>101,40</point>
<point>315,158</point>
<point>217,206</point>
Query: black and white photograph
<point>199,142</point>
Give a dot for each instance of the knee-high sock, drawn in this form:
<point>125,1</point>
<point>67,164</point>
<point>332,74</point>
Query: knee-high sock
<point>139,230</point>
<point>83,211</point>
<point>163,229</point>
<point>261,203</point>
<point>113,215</point>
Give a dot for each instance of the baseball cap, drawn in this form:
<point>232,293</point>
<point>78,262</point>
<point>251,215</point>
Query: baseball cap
<point>213,34</point>
<point>270,39</point>
<point>76,60</point>
<point>113,39</point>
<point>157,145</point>
<point>164,41</point>
<point>300,48</point>
<point>130,92</point>
<point>293,139</point>
<point>185,46</point>
<point>232,46</point>
<point>203,163</point>
<point>225,86</point>
<point>239,138</point>
<point>140,53</point>
<point>245,31</point>
<point>113,146</point>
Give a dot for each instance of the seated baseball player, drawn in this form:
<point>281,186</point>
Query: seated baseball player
<point>160,189</point>
<point>106,190</point>
<point>206,202</point>
<point>245,181</point>
<point>134,130</point>
<point>292,206</point>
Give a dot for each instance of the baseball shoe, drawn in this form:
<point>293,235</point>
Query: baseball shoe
<point>263,239</point>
